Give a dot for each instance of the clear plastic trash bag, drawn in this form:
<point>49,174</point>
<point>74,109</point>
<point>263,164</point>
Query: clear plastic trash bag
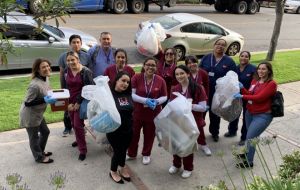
<point>176,128</point>
<point>147,41</point>
<point>102,112</point>
<point>223,103</point>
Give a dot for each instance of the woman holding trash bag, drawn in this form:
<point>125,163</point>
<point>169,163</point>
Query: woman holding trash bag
<point>258,114</point>
<point>75,77</point>
<point>149,91</point>
<point>216,64</point>
<point>245,71</point>
<point>121,138</point>
<point>166,65</point>
<point>191,90</point>
<point>121,65</point>
<point>199,76</point>
<point>33,109</point>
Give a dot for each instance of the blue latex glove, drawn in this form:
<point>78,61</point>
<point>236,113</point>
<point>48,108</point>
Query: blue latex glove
<point>241,85</point>
<point>207,108</point>
<point>49,100</point>
<point>154,104</point>
<point>149,103</point>
<point>237,96</point>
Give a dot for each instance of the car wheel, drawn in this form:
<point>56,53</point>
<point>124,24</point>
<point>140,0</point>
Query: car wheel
<point>219,6</point>
<point>252,7</point>
<point>233,49</point>
<point>119,6</point>
<point>241,7</point>
<point>298,10</point>
<point>34,5</point>
<point>136,6</point>
<point>180,52</point>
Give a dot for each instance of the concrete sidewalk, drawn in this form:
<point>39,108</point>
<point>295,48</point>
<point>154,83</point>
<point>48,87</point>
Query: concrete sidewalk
<point>92,174</point>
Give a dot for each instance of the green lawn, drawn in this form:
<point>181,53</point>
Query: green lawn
<point>286,68</point>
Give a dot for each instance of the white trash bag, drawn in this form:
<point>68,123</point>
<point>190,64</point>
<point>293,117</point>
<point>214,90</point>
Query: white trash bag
<point>176,128</point>
<point>102,112</point>
<point>147,41</point>
<point>223,103</point>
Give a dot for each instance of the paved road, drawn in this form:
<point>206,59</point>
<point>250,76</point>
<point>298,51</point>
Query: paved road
<point>257,29</point>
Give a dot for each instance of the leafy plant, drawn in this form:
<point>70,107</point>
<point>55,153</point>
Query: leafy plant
<point>290,168</point>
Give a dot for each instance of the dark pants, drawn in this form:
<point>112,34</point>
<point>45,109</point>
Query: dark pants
<point>233,126</point>
<point>78,126</point>
<point>120,143</point>
<point>149,135</point>
<point>38,137</point>
<point>187,162</point>
<point>214,124</point>
<point>67,121</point>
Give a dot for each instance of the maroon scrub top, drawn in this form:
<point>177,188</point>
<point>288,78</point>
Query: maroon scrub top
<point>112,71</point>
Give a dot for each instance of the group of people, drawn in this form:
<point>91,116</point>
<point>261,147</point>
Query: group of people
<point>139,98</point>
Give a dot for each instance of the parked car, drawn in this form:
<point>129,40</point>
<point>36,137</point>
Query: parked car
<point>292,6</point>
<point>30,44</point>
<point>82,5</point>
<point>192,34</point>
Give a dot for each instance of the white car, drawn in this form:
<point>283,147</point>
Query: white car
<point>194,35</point>
<point>29,45</point>
<point>292,6</point>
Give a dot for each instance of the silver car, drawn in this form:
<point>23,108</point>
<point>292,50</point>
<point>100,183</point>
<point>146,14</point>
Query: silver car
<point>192,34</point>
<point>29,45</point>
<point>292,6</point>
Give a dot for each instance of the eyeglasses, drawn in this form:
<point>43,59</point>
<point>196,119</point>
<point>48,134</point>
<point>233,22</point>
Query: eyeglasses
<point>150,65</point>
<point>169,53</point>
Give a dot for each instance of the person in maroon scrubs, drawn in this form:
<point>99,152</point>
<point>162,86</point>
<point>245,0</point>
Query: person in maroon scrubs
<point>166,65</point>
<point>199,76</point>
<point>149,91</point>
<point>121,65</point>
<point>191,90</point>
<point>75,77</point>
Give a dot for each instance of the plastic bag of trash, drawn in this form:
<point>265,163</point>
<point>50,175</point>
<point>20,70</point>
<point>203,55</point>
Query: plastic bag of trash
<point>102,112</point>
<point>147,41</point>
<point>223,103</point>
<point>176,128</point>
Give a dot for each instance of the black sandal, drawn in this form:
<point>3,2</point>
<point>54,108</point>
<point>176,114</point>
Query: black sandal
<point>47,153</point>
<point>46,162</point>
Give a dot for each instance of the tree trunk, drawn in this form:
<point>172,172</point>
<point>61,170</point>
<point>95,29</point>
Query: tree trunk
<point>276,30</point>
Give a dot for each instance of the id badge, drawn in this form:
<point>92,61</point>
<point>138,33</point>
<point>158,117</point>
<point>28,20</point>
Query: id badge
<point>211,74</point>
<point>250,102</point>
<point>145,106</point>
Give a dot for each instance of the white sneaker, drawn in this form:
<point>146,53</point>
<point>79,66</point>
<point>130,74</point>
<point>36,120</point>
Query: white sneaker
<point>186,174</point>
<point>206,150</point>
<point>146,160</point>
<point>173,170</point>
<point>130,158</point>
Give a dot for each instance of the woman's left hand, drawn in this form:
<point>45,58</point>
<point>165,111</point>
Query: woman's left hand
<point>76,107</point>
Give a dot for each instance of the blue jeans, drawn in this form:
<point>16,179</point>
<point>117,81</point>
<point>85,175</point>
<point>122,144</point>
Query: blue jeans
<point>256,125</point>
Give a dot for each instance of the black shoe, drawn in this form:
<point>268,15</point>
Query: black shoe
<point>215,138</point>
<point>81,157</point>
<point>120,181</point>
<point>244,164</point>
<point>241,143</point>
<point>74,144</point>
<point>229,134</point>
<point>242,156</point>
<point>125,178</point>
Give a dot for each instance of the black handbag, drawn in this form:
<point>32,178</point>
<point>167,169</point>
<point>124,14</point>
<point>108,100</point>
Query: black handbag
<point>277,107</point>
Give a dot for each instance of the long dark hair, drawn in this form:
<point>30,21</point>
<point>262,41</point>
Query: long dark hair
<point>36,66</point>
<point>192,85</point>
<point>270,69</point>
<point>118,76</point>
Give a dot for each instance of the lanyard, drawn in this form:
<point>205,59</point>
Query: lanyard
<point>145,83</point>
<point>217,62</point>
<point>107,56</point>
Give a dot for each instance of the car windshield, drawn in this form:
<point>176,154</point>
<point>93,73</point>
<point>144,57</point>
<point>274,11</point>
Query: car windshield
<point>166,22</point>
<point>54,30</point>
